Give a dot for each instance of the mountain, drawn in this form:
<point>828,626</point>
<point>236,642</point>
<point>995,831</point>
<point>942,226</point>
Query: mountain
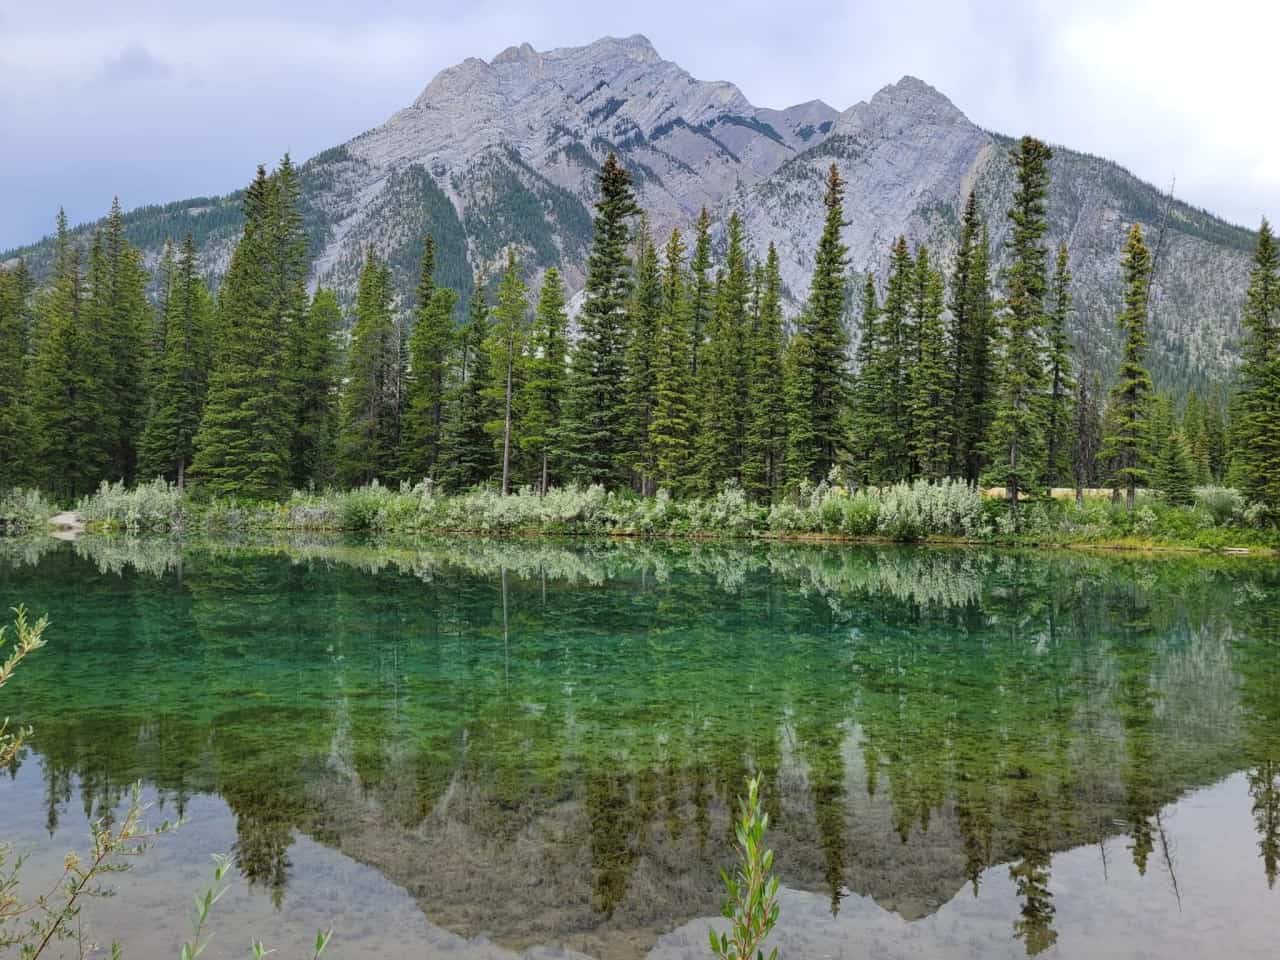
<point>506,151</point>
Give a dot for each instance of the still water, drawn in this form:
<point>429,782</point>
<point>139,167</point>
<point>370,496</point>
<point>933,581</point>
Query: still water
<point>488,750</point>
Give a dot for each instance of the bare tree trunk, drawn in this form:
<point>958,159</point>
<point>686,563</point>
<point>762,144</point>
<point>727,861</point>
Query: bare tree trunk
<point>182,472</point>
<point>543,490</point>
<point>506,431</point>
<point>1011,487</point>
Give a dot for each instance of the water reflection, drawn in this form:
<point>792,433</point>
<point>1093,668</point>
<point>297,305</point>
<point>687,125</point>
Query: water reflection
<point>542,741</point>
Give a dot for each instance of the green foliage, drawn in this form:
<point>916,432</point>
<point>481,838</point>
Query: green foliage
<point>595,404</point>
<point>154,507</point>
<point>971,318</point>
<point>431,346</point>
<point>24,509</point>
<point>1256,411</point>
<point>16,427</point>
<point>505,347</point>
<point>316,374</point>
<point>1128,431</point>
<point>467,452</point>
<point>752,905</point>
<point>818,391</point>
<point>542,387</point>
<point>764,441</point>
<point>1058,415</point>
<point>931,378</point>
<point>246,431</point>
<point>369,430</point>
<point>27,639</point>
<point>1015,444</point>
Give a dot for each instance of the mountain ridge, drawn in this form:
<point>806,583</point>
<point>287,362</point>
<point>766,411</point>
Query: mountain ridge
<point>504,152</point>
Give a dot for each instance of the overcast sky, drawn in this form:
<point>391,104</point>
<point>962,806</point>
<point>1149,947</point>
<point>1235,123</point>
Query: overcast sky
<point>159,101</point>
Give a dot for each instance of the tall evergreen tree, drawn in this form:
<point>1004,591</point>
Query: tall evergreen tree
<point>15,409</point>
<point>168,441</point>
<point>721,382</point>
<point>544,383</point>
<point>1058,415</point>
<point>67,387</point>
<point>1256,413</point>
<point>316,433</point>
<point>467,452</point>
<point>867,395</point>
<point>121,314</point>
<point>1127,440</point>
<point>931,376</point>
<point>819,394</point>
<point>1015,439</point>
<point>646,305</point>
<point>701,301</point>
<point>430,348</point>
<point>595,405</point>
<point>245,439</point>
<point>971,342</point>
<point>367,434</point>
<point>672,428</point>
<point>765,440</point>
<point>505,345</point>
<point>891,459</point>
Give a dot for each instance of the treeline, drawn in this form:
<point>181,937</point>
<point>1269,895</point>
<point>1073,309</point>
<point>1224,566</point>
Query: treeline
<point>683,375</point>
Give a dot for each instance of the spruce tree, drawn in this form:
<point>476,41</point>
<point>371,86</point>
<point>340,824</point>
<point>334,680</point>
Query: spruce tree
<point>1126,444</point>
<point>596,401</point>
<point>721,381</point>
<point>1058,414</point>
<point>892,452</point>
<point>543,385</point>
<point>1086,433</point>
<point>646,304</point>
<point>1015,440</point>
<point>932,378</point>
<point>672,428</point>
<point>430,348</point>
<point>244,444</point>
<point>819,366</point>
<point>701,301</point>
<point>1256,413</point>
<point>765,441</point>
<point>505,344</point>
<point>868,396</point>
<point>316,433</point>
<point>467,452</point>
<point>15,410</point>
<point>971,342</point>
<point>367,440</point>
<point>68,387</point>
<point>168,441</point>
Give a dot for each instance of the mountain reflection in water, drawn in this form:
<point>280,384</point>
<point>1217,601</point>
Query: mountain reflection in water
<point>541,742</point>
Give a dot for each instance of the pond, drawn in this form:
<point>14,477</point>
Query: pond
<point>480,749</point>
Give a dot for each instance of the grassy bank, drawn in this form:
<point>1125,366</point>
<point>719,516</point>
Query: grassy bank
<point>947,512</point>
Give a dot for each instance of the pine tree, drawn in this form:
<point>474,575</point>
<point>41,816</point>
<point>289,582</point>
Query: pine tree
<point>931,376</point>
<point>245,439</point>
<point>1256,411</point>
<point>867,396</point>
<point>971,343</point>
<point>168,441</point>
<point>672,428</point>
<point>543,385</point>
<point>1086,433</point>
<point>67,387</point>
<point>430,347</point>
<point>504,345</point>
<point>119,310</point>
<point>316,434</point>
<point>1196,437</point>
<point>1058,415</point>
<point>701,301</point>
<point>721,381</point>
<point>1015,440</point>
<point>819,365</point>
<point>1175,472</point>
<point>467,453</point>
<point>15,410</point>
<point>1126,442</point>
<point>765,441</point>
<point>367,441</point>
<point>641,387</point>
<point>891,460</point>
<point>596,403</point>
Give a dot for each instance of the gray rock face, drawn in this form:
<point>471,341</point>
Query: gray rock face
<point>506,152</point>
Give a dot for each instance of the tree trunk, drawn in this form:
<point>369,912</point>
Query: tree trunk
<point>182,471</point>
<point>542,492</point>
<point>506,433</point>
<point>1011,489</point>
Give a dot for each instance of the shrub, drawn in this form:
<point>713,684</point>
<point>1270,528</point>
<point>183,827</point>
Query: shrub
<point>154,507</point>
<point>23,509</point>
<point>1223,504</point>
<point>752,906</point>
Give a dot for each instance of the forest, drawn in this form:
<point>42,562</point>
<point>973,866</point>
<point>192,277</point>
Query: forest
<point>678,373</point>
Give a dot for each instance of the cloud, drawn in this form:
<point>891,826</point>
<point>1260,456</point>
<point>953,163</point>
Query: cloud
<point>134,62</point>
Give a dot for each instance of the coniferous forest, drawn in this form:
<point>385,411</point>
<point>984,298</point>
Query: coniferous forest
<point>678,371</point>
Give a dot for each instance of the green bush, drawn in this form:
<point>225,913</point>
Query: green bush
<point>154,507</point>
<point>23,509</point>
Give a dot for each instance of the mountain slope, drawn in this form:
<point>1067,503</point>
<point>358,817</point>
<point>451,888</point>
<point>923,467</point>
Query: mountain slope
<point>506,152</point>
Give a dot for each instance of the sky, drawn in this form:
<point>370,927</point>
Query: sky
<point>159,101</point>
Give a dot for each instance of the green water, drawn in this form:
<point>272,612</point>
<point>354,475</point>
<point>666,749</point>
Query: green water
<point>465,748</point>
